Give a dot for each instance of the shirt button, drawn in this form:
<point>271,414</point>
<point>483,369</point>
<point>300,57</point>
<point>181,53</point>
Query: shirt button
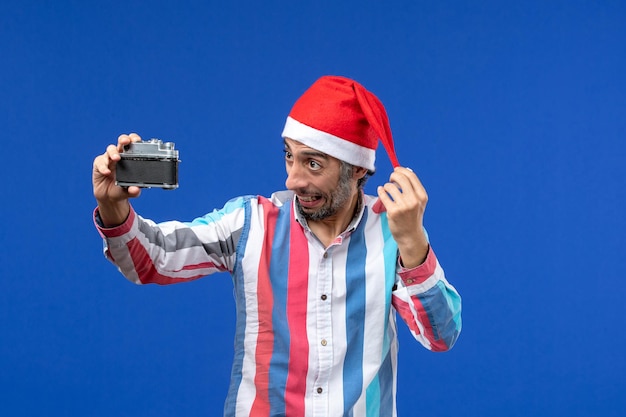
<point>323,297</point>
<point>319,390</point>
<point>324,342</point>
<point>325,255</point>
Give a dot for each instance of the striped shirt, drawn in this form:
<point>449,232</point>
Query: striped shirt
<point>316,326</point>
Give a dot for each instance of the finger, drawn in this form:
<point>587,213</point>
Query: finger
<point>124,140</point>
<point>113,153</point>
<point>406,170</point>
<point>384,197</point>
<point>133,191</point>
<point>416,182</point>
<point>408,180</point>
<point>393,191</point>
<point>105,163</point>
<point>101,164</point>
<point>134,137</point>
<point>404,175</point>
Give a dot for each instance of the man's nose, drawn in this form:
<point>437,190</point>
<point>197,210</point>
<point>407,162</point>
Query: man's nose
<point>296,177</point>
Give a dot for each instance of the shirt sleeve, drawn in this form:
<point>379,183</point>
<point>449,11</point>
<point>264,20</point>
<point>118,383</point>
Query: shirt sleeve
<point>430,306</point>
<point>173,252</point>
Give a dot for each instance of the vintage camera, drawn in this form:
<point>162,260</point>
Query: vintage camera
<point>147,164</point>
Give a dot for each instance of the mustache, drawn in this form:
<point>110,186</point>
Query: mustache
<point>307,192</point>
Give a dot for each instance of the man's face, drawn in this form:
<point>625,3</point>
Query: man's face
<point>323,188</point>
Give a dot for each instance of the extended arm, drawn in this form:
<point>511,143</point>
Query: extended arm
<point>172,252</point>
<point>164,253</point>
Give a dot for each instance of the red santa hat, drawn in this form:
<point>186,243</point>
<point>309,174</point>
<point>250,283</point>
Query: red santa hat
<point>339,117</point>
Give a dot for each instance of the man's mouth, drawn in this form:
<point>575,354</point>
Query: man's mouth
<point>308,200</point>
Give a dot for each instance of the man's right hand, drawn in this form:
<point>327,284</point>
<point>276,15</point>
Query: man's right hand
<point>112,199</point>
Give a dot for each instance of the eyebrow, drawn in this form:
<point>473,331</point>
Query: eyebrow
<point>312,153</point>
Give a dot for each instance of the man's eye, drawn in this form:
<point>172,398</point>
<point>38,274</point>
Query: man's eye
<point>314,165</point>
<point>287,154</point>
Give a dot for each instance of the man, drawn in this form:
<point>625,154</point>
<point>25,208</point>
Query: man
<point>319,271</point>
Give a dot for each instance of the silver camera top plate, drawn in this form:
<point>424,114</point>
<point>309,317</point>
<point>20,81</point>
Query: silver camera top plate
<point>153,148</point>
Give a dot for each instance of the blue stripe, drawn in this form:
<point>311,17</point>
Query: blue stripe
<point>437,303</point>
<point>240,329</point>
<point>279,268</point>
<point>230,207</point>
<point>385,376</point>
<point>390,253</point>
<point>355,317</point>
<point>372,398</point>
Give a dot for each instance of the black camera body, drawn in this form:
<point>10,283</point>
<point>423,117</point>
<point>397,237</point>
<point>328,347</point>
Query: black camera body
<point>148,164</point>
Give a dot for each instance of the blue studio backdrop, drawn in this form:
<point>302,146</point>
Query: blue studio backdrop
<point>512,114</point>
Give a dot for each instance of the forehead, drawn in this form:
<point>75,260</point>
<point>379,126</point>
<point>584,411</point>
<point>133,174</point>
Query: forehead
<point>295,146</point>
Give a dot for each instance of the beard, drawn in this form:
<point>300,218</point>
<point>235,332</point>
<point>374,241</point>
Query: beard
<point>335,200</point>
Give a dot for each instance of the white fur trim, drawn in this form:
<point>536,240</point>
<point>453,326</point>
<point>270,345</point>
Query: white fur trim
<point>330,144</point>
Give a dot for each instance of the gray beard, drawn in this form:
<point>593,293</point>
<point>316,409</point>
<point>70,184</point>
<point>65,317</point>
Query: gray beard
<point>337,199</point>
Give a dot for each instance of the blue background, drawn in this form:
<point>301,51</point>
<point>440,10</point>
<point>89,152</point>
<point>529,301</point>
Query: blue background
<point>512,114</point>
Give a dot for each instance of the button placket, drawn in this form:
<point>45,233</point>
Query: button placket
<point>324,332</point>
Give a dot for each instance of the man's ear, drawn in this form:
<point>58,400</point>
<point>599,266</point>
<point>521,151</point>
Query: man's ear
<point>358,172</point>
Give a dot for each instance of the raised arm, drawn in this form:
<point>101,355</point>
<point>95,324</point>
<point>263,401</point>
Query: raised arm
<point>425,300</point>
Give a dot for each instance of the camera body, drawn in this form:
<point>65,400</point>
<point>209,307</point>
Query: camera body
<point>148,164</point>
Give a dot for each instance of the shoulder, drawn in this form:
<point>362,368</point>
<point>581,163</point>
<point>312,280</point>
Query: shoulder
<point>374,206</point>
<point>281,198</point>
<point>277,201</point>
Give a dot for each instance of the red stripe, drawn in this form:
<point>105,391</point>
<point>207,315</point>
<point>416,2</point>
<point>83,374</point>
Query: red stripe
<point>297,293</point>
<point>421,273</point>
<point>146,270</point>
<point>435,345</point>
<point>265,337</point>
<point>118,230</point>
<point>204,265</point>
<point>378,206</point>
<point>405,312</point>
